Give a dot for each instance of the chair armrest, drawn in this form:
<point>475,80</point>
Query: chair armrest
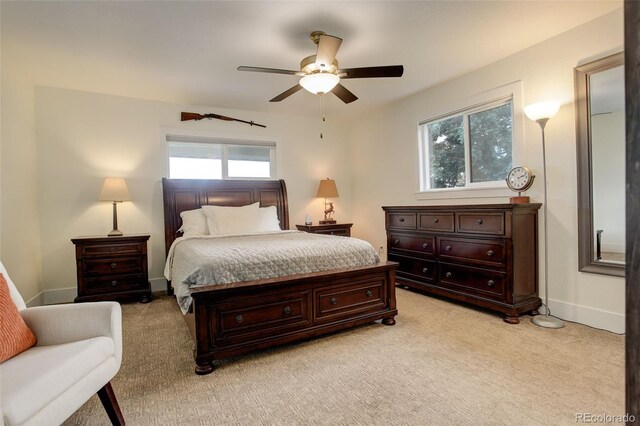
<point>57,324</point>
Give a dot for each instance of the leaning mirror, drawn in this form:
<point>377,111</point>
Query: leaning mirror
<point>600,131</point>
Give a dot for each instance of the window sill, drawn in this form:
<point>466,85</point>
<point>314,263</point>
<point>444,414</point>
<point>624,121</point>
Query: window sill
<point>462,193</point>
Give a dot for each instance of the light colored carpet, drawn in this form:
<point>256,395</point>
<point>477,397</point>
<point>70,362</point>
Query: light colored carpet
<point>441,364</point>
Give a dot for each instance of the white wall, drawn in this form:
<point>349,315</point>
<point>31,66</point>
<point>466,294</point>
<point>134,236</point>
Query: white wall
<point>83,137</point>
<point>385,163</point>
<point>608,168</point>
<point>20,243</point>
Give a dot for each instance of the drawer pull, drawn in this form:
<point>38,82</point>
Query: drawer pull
<point>114,283</point>
<point>112,249</point>
<point>239,318</point>
<point>332,232</point>
<point>401,219</point>
<point>490,253</point>
<point>448,248</point>
<point>436,220</point>
<point>479,222</point>
<point>448,275</point>
<point>425,245</point>
<point>425,270</point>
<point>396,242</point>
<point>369,293</point>
<point>490,283</point>
<point>333,301</point>
<point>287,310</point>
<point>113,265</point>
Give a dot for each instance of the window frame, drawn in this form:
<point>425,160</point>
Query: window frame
<point>483,101</point>
<point>169,136</point>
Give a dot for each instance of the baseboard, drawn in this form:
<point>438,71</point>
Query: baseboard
<point>158,285</point>
<point>66,295</point>
<point>37,300</point>
<point>60,295</point>
<point>593,317</point>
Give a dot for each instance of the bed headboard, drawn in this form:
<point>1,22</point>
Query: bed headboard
<point>188,194</point>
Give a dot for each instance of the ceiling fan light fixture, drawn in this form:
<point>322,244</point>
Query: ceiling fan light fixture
<point>320,82</point>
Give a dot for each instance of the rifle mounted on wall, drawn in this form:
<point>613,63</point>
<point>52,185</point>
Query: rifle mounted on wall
<point>186,116</point>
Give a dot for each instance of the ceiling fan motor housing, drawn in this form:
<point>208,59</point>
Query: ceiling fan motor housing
<point>308,66</point>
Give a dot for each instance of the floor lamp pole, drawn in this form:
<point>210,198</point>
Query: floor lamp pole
<point>546,320</point>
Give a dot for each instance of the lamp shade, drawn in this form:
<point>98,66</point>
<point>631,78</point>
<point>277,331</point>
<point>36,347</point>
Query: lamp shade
<point>327,189</point>
<point>320,82</point>
<point>541,110</point>
<point>114,189</point>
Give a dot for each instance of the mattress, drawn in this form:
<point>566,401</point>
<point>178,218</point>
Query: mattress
<point>205,260</point>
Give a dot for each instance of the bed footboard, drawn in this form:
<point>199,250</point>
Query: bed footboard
<point>234,319</point>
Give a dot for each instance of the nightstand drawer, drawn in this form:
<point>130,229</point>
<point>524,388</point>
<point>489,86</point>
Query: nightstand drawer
<point>115,284</point>
<point>102,250</point>
<point>115,266</point>
<point>339,232</point>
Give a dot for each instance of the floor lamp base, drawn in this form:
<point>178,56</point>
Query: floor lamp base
<point>547,321</point>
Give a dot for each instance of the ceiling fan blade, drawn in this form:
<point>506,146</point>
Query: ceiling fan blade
<point>344,94</point>
<point>372,72</point>
<point>269,70</point>
<point>327,49</point>
<point>286,93</point>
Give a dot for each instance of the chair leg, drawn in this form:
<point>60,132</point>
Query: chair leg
<point>110,404</point>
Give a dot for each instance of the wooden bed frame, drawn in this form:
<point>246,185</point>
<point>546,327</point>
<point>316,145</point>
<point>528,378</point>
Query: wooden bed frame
<point>226,320</point>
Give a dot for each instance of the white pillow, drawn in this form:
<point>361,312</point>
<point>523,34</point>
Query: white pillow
<point>223,220</point>
<point>194,223</point>
<point>267,219</point>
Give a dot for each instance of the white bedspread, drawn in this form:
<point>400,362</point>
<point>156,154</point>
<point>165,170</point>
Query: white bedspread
<point>197,261</point>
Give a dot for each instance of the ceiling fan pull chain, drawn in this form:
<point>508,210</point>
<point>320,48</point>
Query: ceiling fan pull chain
<point>323,118</point>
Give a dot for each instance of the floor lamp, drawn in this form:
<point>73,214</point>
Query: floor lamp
<point>541,112</point>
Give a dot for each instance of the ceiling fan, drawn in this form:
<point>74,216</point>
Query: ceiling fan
<point>320,73</point>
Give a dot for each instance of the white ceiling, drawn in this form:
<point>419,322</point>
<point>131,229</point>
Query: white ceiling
<point>187,52</point>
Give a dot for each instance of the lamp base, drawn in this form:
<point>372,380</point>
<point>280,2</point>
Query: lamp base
<point>327,222</point>
<point>520,200</point>
<point>547,321</point>
<point>115,233</point>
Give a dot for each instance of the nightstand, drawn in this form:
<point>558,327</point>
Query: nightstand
<point>112,268</point>
<point>341,229</point>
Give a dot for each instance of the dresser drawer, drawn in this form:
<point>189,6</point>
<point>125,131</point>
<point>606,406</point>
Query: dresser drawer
<point>102,250</point>
<point>115,284</point>
<point>481,223</point>
<point>115,266</point>
<point>257,315</point>
<point>424,270</point>
<point>473,280</point>
<point>481,252</point>
<point>413,243</point>
<point>336,302</point>
<point>402,220</point>
<point>441,222</point>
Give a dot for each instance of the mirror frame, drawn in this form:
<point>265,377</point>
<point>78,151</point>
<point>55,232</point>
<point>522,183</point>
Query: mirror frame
<point>586,244</point>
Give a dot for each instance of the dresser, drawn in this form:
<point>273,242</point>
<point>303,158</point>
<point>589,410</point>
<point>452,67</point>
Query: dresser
<point>112,268</point>
<point>485,255</point>
<point>342,229</point>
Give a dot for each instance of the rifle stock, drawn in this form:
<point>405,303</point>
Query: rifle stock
<point>186,116</point>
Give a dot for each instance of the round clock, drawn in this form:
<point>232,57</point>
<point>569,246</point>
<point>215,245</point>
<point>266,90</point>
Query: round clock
<point>519,179</point>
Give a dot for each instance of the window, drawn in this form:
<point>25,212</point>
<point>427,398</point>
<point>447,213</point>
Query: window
<point>469,148</point>
<point>192,157</point>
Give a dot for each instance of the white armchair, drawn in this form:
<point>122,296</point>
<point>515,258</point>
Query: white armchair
<point>78,352</point>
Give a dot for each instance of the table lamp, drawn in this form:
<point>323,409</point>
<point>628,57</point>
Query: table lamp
<point>327,189</point>
<point>114,189</point>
